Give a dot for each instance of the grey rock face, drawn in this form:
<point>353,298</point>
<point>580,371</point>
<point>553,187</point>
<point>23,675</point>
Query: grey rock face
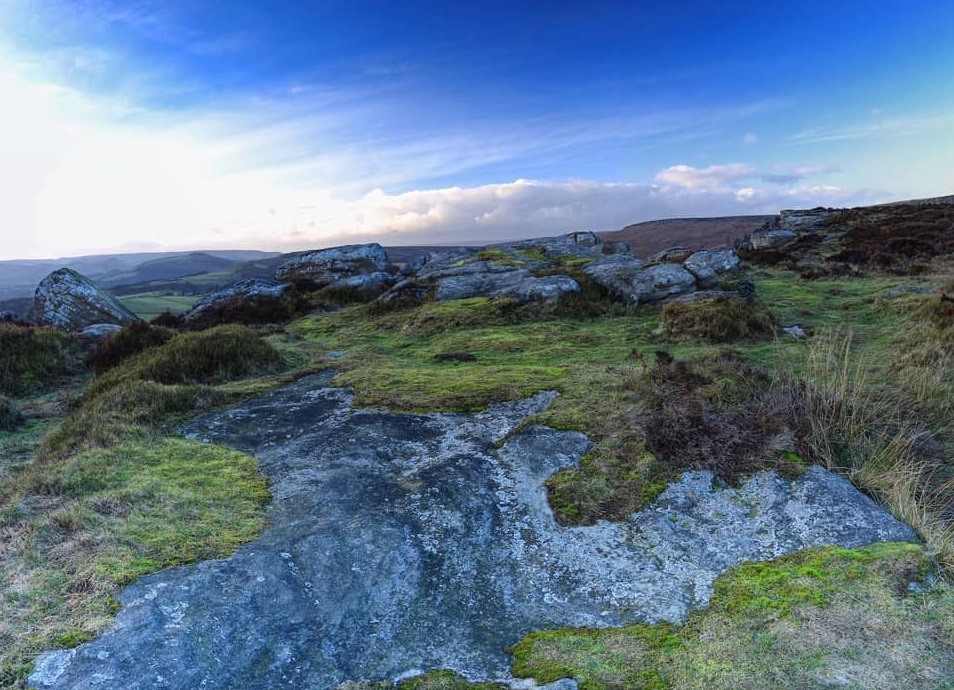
<point>767,239</point>
<point>98,331</point>
<point>326,266</point>
<point>251,289</point>
<point>402,542</point>
<point>671,255</point>
<point>70,301</point>
<point>710,265</point>
<point>803,220</point>
<point>616,273</point>
<point>518,285</point>
<point>367,285</point>
<point>661,281</point>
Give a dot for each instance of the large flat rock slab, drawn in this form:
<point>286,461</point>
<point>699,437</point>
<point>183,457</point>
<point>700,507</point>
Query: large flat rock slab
<point>404,542</point>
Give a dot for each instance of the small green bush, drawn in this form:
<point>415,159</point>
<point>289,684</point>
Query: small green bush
<point>717,320</point>
<point>10,417</point>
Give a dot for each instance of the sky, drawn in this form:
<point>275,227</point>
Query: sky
<point>139,125</point>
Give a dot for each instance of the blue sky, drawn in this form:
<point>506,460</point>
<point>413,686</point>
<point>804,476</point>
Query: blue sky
<point>131,125</point>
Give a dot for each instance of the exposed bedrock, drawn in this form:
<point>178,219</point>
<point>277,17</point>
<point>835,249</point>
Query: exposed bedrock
<point>402,542</point>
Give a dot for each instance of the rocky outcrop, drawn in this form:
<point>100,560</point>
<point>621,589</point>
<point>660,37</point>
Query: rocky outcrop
<point>250,293</point>
<point>711,265</point>
<point>503,270</point>
<point>326,267</point>
<point>658,282</point>
<point>785,228</point>
<point>519,285</point>
<point>411,542</point>
<point>616,274</point>
<point>632,280</point>
<point>70,301</point>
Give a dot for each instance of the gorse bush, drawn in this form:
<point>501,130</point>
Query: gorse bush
<point>33,358</point>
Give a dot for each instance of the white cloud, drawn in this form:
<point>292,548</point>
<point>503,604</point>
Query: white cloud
<point>713,177</point>
<point>750,139</point>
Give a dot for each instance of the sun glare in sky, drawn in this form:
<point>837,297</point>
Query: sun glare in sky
<point>130,126</point>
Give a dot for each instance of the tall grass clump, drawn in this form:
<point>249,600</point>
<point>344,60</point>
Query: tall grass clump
<point>717,320</point>
<point>34,358</point>
<point>159,384</point>
<point>868,433</point>
<point>131,340</point>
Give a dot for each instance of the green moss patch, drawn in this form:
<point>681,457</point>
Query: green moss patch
<point>803,621</point>
<point>107,517</point>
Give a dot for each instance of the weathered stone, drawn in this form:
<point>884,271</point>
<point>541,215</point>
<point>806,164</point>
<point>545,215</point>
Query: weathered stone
<point>796,332</point>
<point>517,284</point>
<point>616,273</point>
<point>671,255</point>
<point>804,221</point>
<point>245,290</point>
<point>908,290</point>
<point>766,239</point>
<point>326,266</point>
<point>98,331</point>
<point>367,285</point>
<point>709,265</point>
<point>584,238</point>
<point>414,265</point>
<point>70,301</point>
<point>661,281</point>
<point>410,542</point>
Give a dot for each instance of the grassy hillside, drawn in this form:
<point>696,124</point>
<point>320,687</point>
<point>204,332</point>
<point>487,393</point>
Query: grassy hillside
<point>98,492</point>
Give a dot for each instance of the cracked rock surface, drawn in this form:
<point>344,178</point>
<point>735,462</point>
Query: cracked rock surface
<point>401,542</point>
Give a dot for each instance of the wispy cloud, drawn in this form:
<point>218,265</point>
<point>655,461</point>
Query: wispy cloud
<point>881,129</point>
<point>799,173</point>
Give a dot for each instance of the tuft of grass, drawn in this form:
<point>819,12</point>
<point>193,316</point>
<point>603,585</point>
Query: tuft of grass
<point>869,434</point>
<point>717,320</point>
<point>33,358</point>
<point>133,339</point>
<point>445,680</point>
<point>792,623</point>
<point>103,518</point>
<point>10,416</point>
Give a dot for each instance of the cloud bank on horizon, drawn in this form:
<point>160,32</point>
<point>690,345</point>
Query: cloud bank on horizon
<point>136,125</point>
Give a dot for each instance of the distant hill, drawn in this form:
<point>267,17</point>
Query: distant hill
<point>19,278</point>
<point>695,233</point>
<point>168,268</point>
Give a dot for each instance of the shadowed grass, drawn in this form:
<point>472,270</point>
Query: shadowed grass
<point>33,358</point>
